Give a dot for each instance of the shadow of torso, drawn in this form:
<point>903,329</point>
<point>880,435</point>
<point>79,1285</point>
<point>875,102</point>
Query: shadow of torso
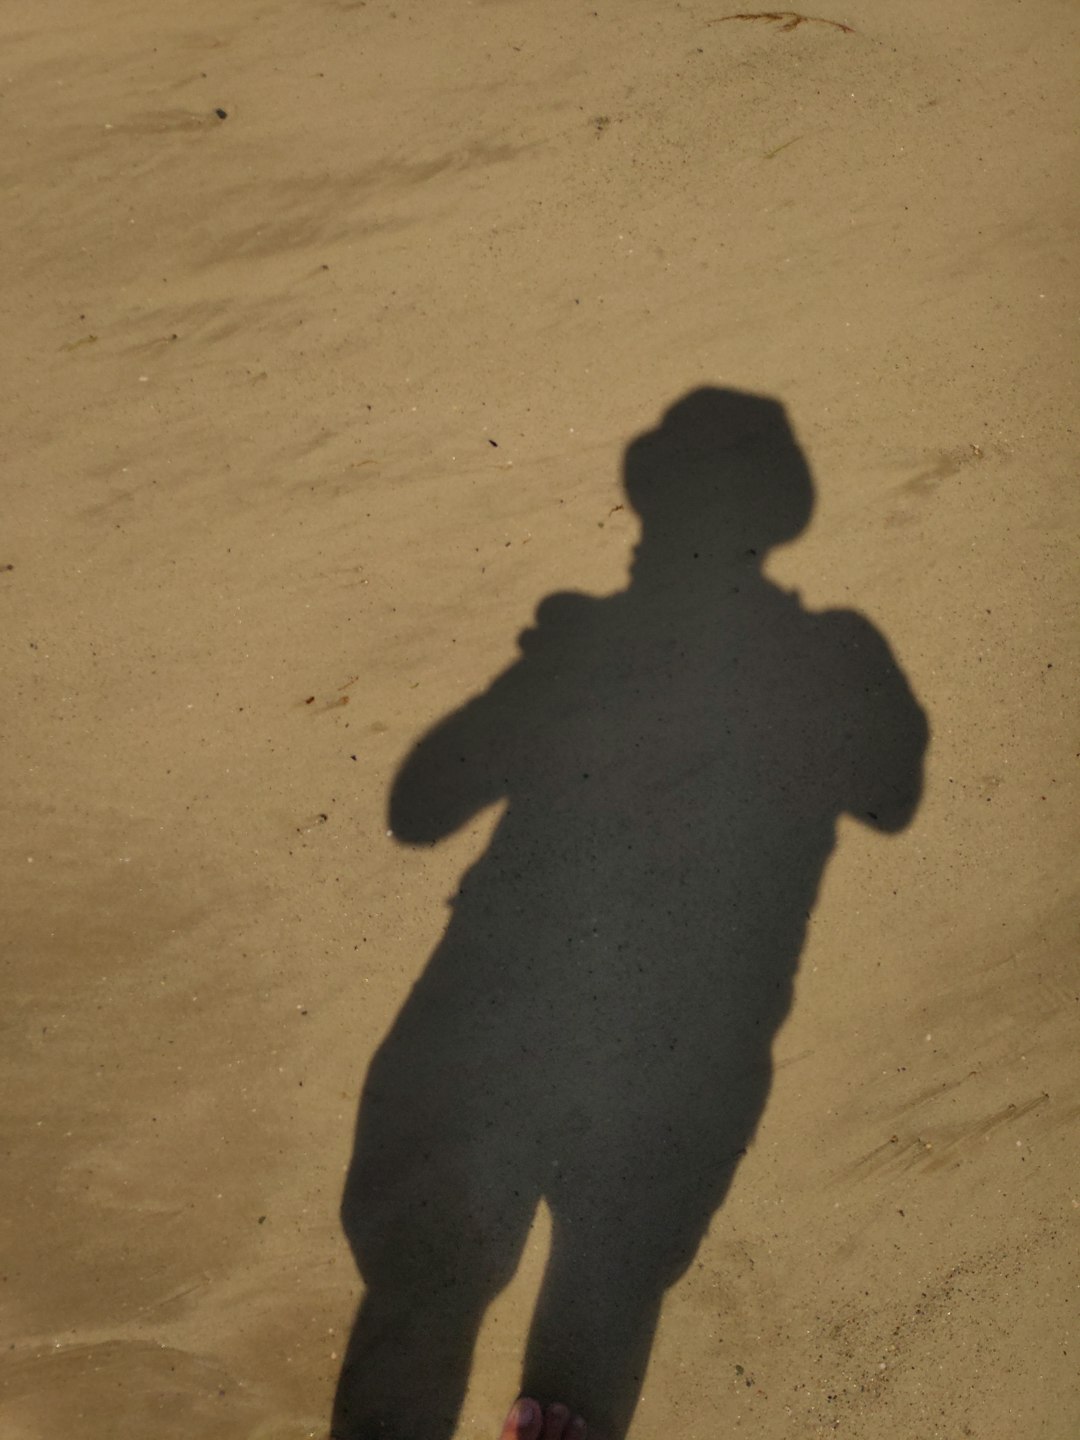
<point>619,959</point>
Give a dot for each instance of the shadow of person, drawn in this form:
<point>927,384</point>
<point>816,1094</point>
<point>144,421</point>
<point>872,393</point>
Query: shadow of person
<point>595,1026</point>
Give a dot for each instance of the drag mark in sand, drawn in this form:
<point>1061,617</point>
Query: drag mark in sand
<point>771,154</point>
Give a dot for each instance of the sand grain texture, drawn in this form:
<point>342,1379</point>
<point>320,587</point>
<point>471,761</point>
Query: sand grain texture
<point>254,369</point>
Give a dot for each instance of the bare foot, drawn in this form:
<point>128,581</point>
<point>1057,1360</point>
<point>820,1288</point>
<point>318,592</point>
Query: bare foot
<point>528,1421</point>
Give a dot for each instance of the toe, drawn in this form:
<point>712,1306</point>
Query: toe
<point>524,1422</point>
<point>556,1419</point>
<point>577,1430</point>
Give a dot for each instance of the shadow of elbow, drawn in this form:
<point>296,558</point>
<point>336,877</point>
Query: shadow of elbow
<point>408,828</point>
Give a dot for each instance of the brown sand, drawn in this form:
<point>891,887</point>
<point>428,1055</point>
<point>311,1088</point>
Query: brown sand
<point>253,366</point>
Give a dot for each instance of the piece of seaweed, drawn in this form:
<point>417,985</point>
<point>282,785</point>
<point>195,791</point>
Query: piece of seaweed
<point>788,19</point>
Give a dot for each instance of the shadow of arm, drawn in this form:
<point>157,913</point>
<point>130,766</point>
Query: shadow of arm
<point>456,770</point>
<point>474,757</point>
<point>889,733</point>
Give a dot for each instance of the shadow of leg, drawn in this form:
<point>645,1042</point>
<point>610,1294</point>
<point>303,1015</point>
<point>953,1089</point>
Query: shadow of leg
<point>593,1329</point>
<point>407,1363</point>
<point>436,1210</point>
<point>622,1235</point>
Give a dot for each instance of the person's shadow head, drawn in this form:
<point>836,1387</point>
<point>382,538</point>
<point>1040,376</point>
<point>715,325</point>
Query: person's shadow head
<point>593,1032</point>
<point>722,471</point>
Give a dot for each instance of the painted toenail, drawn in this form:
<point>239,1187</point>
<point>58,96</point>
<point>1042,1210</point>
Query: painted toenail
<point>525,1414</point>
